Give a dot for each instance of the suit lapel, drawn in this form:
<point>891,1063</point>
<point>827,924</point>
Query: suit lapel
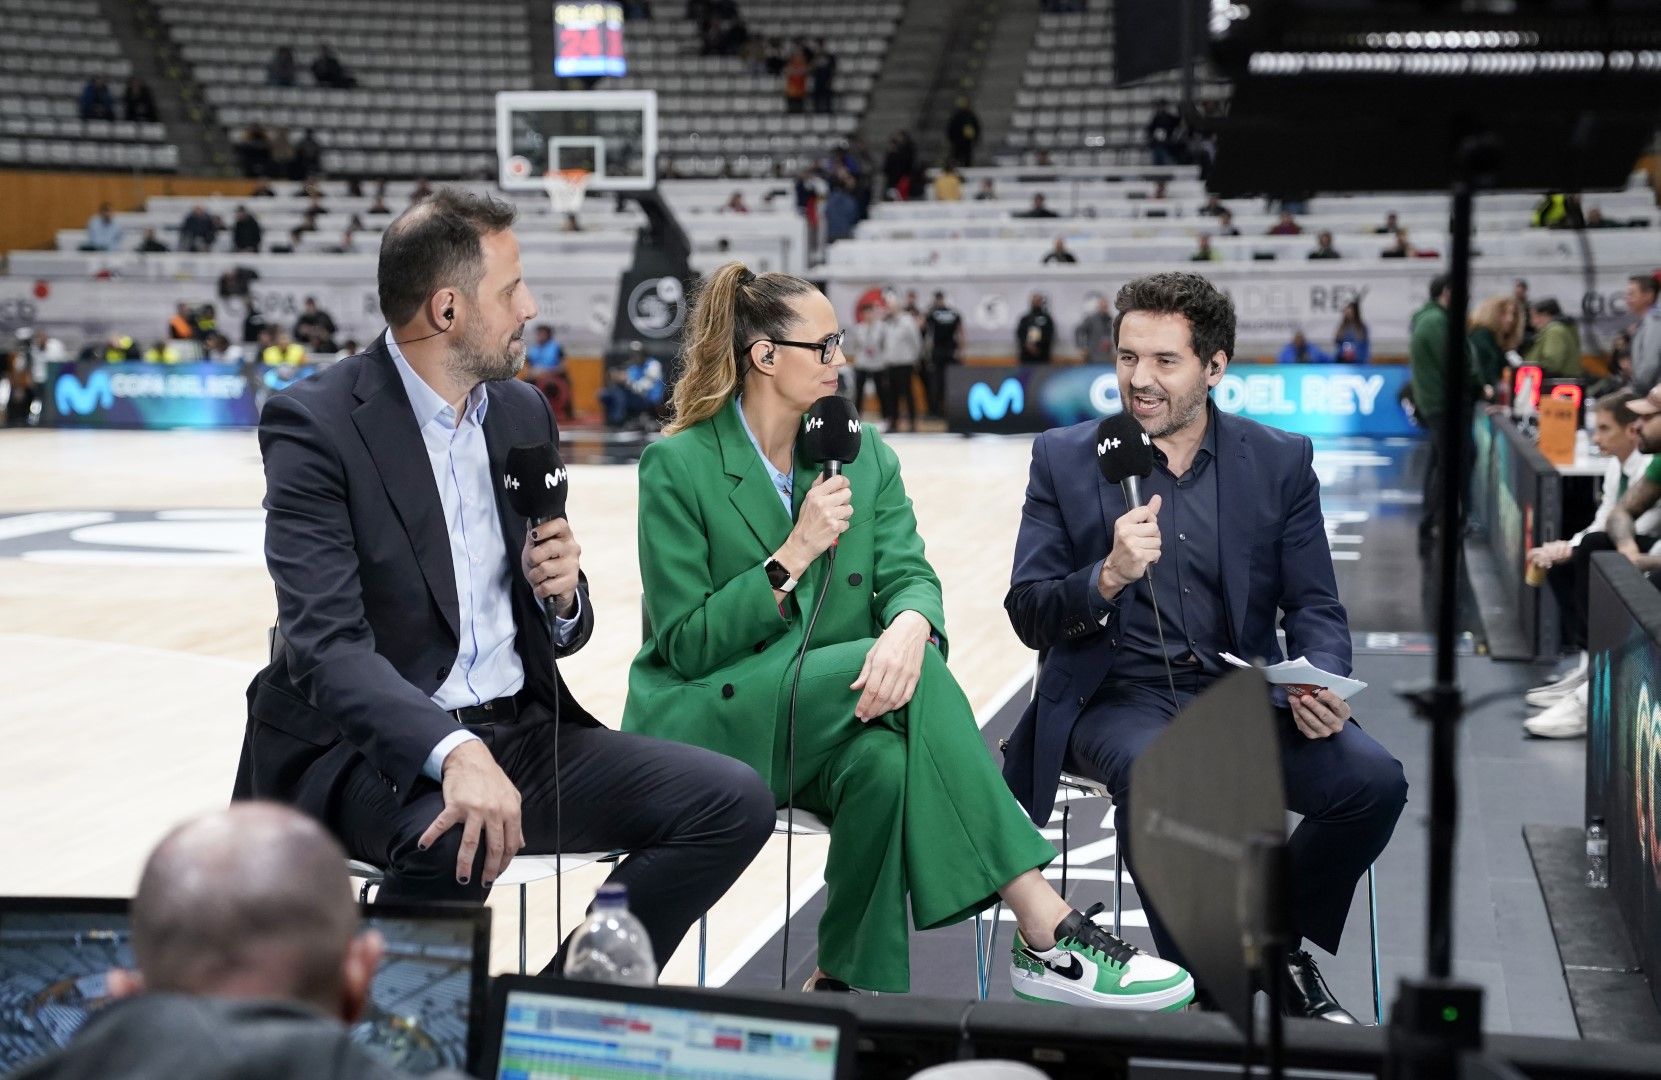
<point>386,423</point>
<point>1236,483</point>
<point>753,494</point>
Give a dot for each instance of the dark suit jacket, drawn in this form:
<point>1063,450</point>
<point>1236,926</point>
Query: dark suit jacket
<point>366,597</point>
<point>1274,557</point>
<point>172,1037</point>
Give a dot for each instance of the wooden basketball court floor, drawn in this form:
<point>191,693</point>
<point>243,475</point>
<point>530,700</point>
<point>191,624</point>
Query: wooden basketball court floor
<point>134,604</point>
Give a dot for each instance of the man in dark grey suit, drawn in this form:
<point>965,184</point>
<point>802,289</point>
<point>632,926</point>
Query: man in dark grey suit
<point>251,962</point>
<point>416,708</point>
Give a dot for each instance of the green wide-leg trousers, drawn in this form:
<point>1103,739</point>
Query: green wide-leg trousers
<point>916,807</point>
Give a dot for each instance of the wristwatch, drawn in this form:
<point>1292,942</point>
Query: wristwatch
<point>778,576</point>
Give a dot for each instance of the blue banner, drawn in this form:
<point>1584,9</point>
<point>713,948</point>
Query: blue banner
<point>1310,399</point>
<point>143,395</point>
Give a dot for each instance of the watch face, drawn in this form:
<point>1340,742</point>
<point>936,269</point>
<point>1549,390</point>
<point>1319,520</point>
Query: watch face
<point>777,575</point>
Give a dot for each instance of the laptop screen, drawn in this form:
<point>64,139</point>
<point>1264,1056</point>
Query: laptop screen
<point>425,1006</point>
<point>576,1033</point>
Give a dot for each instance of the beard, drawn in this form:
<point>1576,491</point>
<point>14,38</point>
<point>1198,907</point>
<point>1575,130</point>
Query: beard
<point>472,359</point>
<point>1185,410</point>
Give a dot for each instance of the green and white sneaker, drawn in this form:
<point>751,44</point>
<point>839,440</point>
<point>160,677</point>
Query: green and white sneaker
<point>1091,967</point>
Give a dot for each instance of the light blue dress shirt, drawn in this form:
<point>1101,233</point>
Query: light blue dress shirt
<point>783,482</point>
<point>487,665</point>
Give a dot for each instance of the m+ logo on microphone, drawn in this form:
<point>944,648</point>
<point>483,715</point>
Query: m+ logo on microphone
<point>1106,445</point>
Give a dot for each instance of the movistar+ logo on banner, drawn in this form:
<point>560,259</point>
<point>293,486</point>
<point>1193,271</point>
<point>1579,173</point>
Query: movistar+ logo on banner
<point>76,398</point>
<point>1010,399</point>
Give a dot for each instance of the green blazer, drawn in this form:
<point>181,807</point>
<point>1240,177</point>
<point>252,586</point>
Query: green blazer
<point>716,669</point>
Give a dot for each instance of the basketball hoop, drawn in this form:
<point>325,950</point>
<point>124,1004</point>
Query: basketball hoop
<point>566,189</point>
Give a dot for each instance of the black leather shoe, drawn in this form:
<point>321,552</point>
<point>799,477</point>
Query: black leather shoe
<point>1306,994</point>
<point>828,985</point>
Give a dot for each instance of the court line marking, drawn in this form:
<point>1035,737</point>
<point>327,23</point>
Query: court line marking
<point>13,527</point>
<point>764,930</point>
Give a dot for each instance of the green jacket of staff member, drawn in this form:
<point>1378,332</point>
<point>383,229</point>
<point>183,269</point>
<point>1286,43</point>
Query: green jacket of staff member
<point>1556,347</point>
<point>734,527</point>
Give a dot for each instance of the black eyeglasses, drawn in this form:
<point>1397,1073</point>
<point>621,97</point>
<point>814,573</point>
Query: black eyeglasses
<point>823,348</point>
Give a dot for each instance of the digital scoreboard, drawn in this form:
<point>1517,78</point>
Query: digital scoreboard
<point>588,40</point>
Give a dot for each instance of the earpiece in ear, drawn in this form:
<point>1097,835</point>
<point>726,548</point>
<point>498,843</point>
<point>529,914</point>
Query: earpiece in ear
<point>767,357</point>
<point>450,316</point>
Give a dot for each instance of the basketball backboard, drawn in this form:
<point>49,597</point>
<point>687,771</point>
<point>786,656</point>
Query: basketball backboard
<point>611,133</point>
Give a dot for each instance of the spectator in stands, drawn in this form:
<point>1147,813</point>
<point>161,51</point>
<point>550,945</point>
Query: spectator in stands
<point>636,391</point>
<point>198,230</point>
<point>282,70</point>
<point>943,347</point>
<point>103,233</point>
<point>963,132</point>
<point>214,347</point>
<point>161,353</point>
<point>1286,225</point>
<point>1351,342</point>
<point>901,345</point>
<point>1162,132</point>
<point>379,206</point>
<point>253,152</point>
<point>899,166</point>
<point>545,369</point>
<point>1226,225</point>
<point>233,284</point>
<point>1093,336</point>
<point>251,961</point>
<point>120,347</point>
<point>313,317</point>
<point>317,339</point>
<point>1324,248</point>
<point>1645,331</point>
<point>246,234</point>
<point>1400,248</point>
<point>1495,328</point>
<point>987,192</point>
<point>151,245</point>
<point>1390,227</point>
<point>1035,333</point>
<point>735,204</point>
<point>421,191</point>
<point>948,184</point>
<point>182,326</point>
<point>841,209</point>
<point>96,103</point>
<point>1037,210</point>
<point>1213,207</point>
<point>283,351</point>
<point>348,238</point>
<point>1629,484</point>
<point>349,348</point>
<point>795,82</point>
<point>775,57</point>
<point>1556,348</point>
<point>1203,251</point>
<point>1620,369</point>
<point>1300,351</point>
<point>308,222</point>
<point>308,158</point>
<point>1058,253</point>
<point>137,102</point>
<point>253,325</point>
<point>327,70</point>
<point>823,78</point>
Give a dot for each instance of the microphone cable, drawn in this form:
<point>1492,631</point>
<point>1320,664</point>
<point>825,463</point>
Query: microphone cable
<point>790,767</point>
<point>1159,628</point>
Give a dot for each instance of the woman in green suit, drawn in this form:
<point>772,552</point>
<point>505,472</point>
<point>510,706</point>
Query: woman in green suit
<point>733,525</point>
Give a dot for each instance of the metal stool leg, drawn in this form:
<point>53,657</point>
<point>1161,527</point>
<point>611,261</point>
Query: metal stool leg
<point>703,946</point>
<point>1066,816</point>
<point>521,929</point>
<point>1372,920</point>
<point>981,945</point>
<point>1118,884</point>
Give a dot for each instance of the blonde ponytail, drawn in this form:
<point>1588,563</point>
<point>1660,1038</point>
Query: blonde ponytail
<point>731,309</point>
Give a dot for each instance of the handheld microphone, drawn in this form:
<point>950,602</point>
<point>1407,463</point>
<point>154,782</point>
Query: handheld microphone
<point>1124,454</point>
<point>831,433</point>
<point>536,483</point>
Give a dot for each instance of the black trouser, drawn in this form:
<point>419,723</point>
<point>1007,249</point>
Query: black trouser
<point>1349,789</point>
<point>900,391</point>
<point>874,378</point>
<point>1571,583</point>
<point>934,384</point>
<point>691,819</point>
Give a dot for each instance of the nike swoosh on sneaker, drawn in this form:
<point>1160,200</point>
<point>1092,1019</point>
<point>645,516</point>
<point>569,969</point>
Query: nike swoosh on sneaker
<point>1074,970</point>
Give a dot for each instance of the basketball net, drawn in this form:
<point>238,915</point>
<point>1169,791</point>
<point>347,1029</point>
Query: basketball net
<point>566,189</point>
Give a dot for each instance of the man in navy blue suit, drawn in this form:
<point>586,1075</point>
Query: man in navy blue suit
<point>1231,534</point>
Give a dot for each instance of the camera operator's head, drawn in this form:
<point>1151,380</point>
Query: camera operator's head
<point>253,902</point>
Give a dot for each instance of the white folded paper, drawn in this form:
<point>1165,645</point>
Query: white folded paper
<point>1301,672</point>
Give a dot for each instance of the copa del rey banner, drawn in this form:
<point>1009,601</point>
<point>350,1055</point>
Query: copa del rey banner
<point>1271,300</point>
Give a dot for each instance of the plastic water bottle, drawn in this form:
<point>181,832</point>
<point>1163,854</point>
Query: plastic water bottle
<point>611,946</point>
<point>1597,856</point>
